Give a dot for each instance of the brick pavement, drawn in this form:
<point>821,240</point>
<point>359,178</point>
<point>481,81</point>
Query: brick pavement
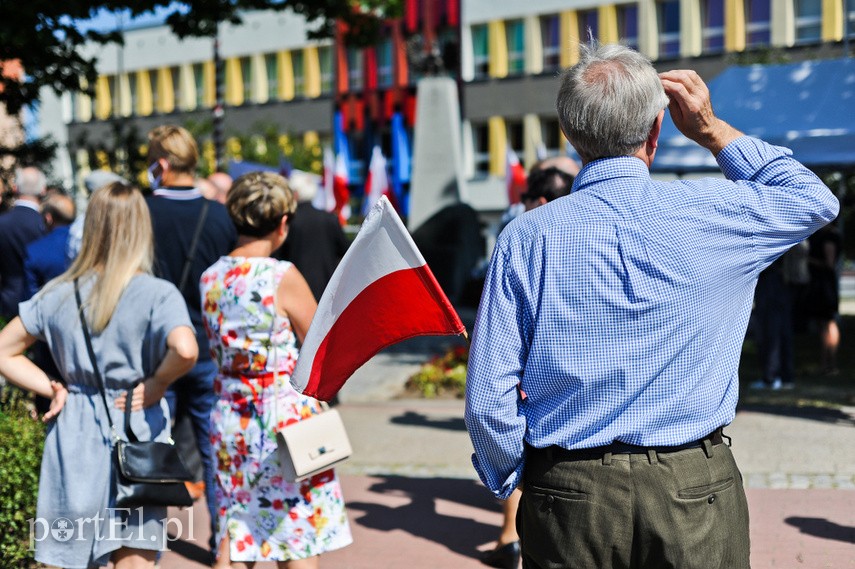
<point>413,500</point>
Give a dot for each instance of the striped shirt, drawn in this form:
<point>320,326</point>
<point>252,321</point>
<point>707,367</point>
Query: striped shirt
<point>620,310</point>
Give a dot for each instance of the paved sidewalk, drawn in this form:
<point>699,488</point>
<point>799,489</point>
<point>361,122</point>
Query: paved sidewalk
<point>414,500</point>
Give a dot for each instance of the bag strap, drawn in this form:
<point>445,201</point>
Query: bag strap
<point>188,260</point>
<point>101,388</point>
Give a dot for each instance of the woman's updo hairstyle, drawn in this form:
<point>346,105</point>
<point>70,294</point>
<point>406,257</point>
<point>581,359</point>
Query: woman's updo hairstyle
<point>257,201</point>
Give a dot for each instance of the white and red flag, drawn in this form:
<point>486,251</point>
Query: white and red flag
<point>324,200</point>
<point>377,181</point>
<point>515,176</point>
<point>341,191</point>
<point>381,293</point>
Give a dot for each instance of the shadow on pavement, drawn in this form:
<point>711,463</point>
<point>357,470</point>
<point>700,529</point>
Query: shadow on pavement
<point>814,413</point>
<point>419,517</point>
<point>412,418</point>
<point>820,527</point>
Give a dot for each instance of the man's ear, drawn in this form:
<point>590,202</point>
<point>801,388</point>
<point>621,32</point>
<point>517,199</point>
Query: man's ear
<point>655,131</point>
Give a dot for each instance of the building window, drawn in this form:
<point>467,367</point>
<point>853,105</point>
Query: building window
<point>552,139</point>
<point>176,86</point>
<point>851,19</point>
<point>199,80</point>
<point>132,87</point>
<point>481,147</point>
<point>246,77</point>
<point>153,77</point>
<point>355,70</point>
<point>550,35</point>
<point>516,140</point>
<point>271,65</point>
<point>480,51</point>
<point>759,28</point>
<point>515,33</point>
<point>627,17</point>
<point>449,47</point>
<point>808,21</point>
<point>713,25</point>
<point>299,73</point>
<point>115,96</point>
<point>325,55</point>
<point>668,16</point>
<point>589,25</point>
<point>385,67</point>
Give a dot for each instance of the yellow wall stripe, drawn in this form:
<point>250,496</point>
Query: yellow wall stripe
<point>145,104</point>
<point>498,146</point>
<point>569,38</point>
<point>188,88</point>
<point>498,48</point>
<point>286,76</point>
<point>234,82</point>
<point>103,100</point>
<point>259,79</point>
<point>833,20</point>
<point>607,15</point>
<point>165,91</point>
<point>209,74</point>
<point>734,25</point>
<point>312,70</point>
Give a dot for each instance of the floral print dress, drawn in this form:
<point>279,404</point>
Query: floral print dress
<point>267,518</point>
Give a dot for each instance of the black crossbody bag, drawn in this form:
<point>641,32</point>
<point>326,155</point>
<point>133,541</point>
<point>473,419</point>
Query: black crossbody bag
<point>146,473</point>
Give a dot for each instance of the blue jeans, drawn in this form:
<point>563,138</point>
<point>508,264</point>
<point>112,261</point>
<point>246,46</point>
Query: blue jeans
<point>194,394</point>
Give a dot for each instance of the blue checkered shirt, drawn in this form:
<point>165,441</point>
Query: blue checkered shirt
<point>620,309</point>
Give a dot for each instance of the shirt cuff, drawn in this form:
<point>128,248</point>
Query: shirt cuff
<point>507,487</point>
<point>743,157</point>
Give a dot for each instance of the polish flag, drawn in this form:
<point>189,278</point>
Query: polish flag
<point>381,293</point>
<point>377,181</point>
<point>341,179</point>
<point>325,199</point>
<point>515,177</point>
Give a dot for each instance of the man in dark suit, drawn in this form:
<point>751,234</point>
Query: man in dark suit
<point>18,227</point>
<point>316,242</point>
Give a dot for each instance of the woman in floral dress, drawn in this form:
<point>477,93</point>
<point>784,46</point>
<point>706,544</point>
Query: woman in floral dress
<point>256,309</point>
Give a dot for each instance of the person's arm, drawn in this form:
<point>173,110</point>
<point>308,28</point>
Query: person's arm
<point>496,361</point>
<point>20,371</point>
<point>32,282</point>
<point>295,300</point>
<point>181,354</point>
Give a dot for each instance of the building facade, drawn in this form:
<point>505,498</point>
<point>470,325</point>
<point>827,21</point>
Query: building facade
<point>504,54</point>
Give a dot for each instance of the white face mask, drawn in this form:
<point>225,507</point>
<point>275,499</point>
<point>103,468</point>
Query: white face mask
<point>154,181</point>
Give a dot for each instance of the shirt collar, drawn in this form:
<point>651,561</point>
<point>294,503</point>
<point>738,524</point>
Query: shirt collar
<point>610,168</point>
<point>27,203</point>
<point>183,194</point>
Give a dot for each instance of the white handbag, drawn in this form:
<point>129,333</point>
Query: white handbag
<point>313,445</point>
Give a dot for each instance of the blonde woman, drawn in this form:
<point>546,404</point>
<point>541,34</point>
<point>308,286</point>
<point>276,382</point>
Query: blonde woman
<point>256,309</point>
<point>141,334</point>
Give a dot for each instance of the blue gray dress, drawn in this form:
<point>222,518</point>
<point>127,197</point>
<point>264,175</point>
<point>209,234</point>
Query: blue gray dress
<point>77,523</point>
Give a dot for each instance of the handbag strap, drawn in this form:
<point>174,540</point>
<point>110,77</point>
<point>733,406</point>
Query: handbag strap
<point>101,387</point>
<point>188,260</point>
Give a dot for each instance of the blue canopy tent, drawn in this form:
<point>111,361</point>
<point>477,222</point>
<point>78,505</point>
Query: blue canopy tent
<point>808,107</point>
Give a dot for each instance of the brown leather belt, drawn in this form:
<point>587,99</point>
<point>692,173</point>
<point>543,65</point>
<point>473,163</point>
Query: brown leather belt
<point>557,453</point>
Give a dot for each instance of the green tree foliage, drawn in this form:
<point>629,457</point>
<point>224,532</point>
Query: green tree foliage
<point>43,35</point>
<point>21,444</point>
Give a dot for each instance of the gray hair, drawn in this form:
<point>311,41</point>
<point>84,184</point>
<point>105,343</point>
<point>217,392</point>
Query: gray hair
<point>30,182</point>
<point>608,101</point>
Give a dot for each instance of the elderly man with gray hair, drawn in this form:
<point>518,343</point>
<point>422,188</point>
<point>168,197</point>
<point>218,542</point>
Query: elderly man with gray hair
<point>19,226</point>
<point>604,358</point>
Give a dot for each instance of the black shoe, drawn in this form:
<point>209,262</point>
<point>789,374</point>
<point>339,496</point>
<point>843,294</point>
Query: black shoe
<point>504,557</point>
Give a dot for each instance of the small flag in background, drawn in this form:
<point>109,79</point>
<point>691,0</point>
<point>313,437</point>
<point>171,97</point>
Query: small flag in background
<point>341,179</point>
<point>377,181</point>
<point>515,176</point>
<point>325,199</point>
<point>381,293</point>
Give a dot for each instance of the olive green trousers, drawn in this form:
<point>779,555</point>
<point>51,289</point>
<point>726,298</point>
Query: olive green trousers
<point>654,510</point>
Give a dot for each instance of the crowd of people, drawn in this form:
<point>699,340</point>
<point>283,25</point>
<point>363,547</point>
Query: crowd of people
<point>603,365</point>
<point>190,315</point>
